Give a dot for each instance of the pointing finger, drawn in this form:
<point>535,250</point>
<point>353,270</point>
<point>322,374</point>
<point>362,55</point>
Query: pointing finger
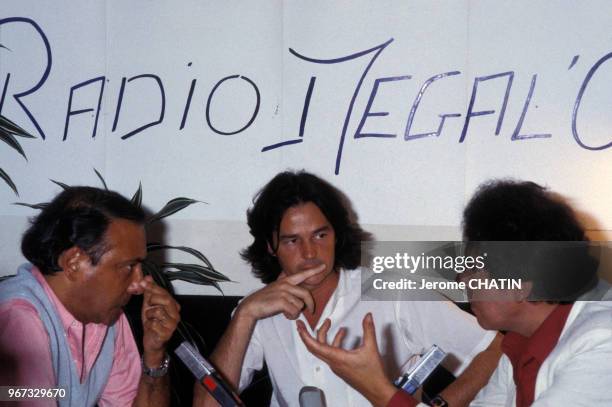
<point>298,278</point>
<point>146,302</point>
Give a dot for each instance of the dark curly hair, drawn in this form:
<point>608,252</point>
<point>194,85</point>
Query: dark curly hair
<point>510,210</point>
<point>289,189</point>
<point>79,216</point>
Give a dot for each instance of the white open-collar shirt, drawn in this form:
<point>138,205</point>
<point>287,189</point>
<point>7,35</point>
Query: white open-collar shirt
<point>403,329</point>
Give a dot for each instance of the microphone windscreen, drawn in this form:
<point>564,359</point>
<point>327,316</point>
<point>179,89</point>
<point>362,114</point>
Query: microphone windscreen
<point>311,396</point>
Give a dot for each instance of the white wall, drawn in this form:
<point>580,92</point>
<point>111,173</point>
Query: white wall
<point>410,189</point>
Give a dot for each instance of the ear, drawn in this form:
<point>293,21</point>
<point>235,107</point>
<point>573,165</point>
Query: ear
<point>70,262</point>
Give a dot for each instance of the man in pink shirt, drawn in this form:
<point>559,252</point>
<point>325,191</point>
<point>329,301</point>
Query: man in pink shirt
<point>61,318</point>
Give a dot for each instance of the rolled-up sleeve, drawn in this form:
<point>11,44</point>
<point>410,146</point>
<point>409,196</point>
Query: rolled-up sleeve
<point>253,360</point>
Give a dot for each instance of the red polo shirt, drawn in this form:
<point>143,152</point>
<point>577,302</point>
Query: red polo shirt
<point>528,354</point>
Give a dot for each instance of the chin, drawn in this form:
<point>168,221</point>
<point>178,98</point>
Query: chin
<point>479,317</point>
<point>483,324</point>
<point>487,323</point>
<point>310,285</point>
<point>315,281</point>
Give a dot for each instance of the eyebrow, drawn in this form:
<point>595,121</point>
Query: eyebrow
<point>290,236</point>
<point>134,260</point>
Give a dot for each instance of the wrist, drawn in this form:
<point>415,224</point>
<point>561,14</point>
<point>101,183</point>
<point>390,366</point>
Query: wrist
<point>158,370</point>
<point>243,315</point>
<point>153,359</point>
<point>382,393</point>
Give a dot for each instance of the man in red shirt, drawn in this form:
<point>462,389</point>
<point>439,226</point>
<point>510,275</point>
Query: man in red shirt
<point>556,351</point>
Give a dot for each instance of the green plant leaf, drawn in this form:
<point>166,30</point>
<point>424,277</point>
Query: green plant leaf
<point>152,269</point>
<point>137,198</point>
<point>5,177</point>
<point>205,272</point>
<point>151,247</point>
<point>61,184</point>
<point>172,207</point>
<point>2,278</point>
<point>190,278</point>
<point>10,127</point>
<point>9,139</point>
<point>39,206</point>
<point>101,179</point>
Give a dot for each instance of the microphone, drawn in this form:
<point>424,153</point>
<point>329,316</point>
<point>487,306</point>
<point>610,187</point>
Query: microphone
<point>311,396</point>
<point>207,376</point>
<point>415,376</point>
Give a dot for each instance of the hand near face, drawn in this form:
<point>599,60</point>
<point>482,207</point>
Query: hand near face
<point>282,296</point>
<point>160,316</point>
<point>361,368</point>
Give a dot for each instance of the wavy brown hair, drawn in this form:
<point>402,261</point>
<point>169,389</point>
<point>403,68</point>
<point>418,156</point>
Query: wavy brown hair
<point>287,190</point>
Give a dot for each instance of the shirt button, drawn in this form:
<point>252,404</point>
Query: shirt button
<point>318,368</point>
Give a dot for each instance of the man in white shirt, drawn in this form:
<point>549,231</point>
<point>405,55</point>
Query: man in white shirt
<point>306,249</point>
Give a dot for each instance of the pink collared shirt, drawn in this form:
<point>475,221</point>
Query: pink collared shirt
<point>25,357</point>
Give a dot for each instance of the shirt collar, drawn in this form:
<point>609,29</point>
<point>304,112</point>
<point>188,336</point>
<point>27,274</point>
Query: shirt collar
<point>539,345</point>
<point>344,284</point>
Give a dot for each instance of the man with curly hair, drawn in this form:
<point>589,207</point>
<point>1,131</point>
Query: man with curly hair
<point>557,348</point>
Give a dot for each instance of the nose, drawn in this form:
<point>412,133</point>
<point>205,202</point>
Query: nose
<point>138,274</point>
<point>309,250</point>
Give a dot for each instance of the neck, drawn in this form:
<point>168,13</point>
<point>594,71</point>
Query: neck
<point>321,295</point>
<point>62,291</point>
<point>532,316</point>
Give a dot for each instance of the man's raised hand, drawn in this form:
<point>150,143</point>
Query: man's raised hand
<point>282,296</point>
<point>362,367</point>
